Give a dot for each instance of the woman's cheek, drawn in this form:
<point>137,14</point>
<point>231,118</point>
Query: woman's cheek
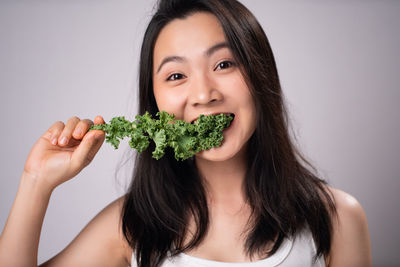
<point>171,102</point>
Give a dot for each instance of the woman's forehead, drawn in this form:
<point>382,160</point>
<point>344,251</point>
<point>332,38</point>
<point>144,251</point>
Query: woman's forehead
<point>192,34</point>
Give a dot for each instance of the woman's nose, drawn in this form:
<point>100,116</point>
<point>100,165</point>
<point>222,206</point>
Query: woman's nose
<point>203,91</point>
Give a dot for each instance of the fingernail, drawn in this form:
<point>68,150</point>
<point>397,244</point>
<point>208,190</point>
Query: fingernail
<point>54,141</point>
<point>63,141</point>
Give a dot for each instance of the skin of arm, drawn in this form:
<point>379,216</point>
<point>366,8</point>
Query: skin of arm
<point>100,243</point>
<point>351,242</point>
<point>22,230</point>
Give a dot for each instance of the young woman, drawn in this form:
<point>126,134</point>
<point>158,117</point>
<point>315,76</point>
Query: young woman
<point>250,202</point>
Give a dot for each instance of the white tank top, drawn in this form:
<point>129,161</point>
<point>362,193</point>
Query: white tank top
<point>297,252</point>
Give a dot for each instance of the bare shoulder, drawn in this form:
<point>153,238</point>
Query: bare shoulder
<point>350,242</point>
<point>100,243</point>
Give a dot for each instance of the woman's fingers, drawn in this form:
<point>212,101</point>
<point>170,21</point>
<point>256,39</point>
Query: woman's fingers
<point>66,134</point>
<point>70,133</point>
<point>81,128</point>
<point>99,120</point>
<point>53,133</point>
<point>87,149</point>
<point>89,145</point>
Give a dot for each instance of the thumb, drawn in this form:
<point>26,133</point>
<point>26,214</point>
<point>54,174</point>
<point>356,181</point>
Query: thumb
<point>87,149</point>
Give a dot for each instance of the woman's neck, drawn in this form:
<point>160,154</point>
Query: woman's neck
<point>224,180</point>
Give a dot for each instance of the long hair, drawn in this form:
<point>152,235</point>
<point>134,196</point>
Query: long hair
<point>285,196</point>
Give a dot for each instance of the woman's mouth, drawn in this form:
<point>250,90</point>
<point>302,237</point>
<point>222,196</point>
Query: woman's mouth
<point>230,125</point>
<point>231,114</point>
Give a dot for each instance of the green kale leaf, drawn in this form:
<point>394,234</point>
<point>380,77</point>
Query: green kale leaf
<point>184,138</point>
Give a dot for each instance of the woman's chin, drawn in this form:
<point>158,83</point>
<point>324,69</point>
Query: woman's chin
<point>221,153</point>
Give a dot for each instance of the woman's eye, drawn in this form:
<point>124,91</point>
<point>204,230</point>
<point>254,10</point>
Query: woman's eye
<point>175,76</point>
<point>224,65</point>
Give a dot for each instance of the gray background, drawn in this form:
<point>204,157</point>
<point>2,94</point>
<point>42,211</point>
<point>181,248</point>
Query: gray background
<point>339,66</point>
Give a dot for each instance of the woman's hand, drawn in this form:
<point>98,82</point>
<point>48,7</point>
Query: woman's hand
<point>63,151</point>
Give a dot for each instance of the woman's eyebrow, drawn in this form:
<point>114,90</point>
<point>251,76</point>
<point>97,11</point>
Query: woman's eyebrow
<point>207,53</point>
<point>215,48</point>
<point>169,59</point>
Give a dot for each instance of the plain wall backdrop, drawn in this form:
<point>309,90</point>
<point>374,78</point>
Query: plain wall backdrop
<point>339,67</point>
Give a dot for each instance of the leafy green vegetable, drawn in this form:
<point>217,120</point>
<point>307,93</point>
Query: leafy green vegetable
<point>186,139</point>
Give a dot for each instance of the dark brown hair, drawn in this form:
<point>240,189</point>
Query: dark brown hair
<point>285,195</point>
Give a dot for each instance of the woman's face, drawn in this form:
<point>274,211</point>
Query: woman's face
<point>195,73</point>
